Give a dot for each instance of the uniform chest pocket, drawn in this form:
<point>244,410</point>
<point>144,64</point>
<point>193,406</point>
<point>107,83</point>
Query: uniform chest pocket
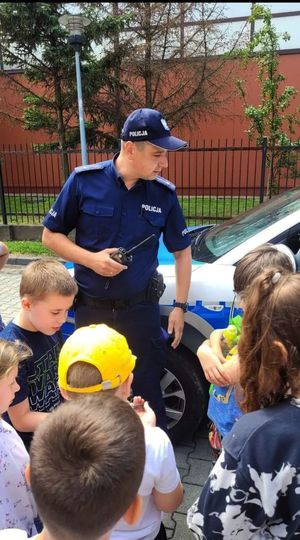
<point>97,218</point>
<point>153,221</point>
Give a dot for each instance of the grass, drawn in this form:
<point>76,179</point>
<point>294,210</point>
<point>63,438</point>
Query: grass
<point>214,209</point>
<point>27,209</point>
<point>26,247</point>
<point>31,208</point>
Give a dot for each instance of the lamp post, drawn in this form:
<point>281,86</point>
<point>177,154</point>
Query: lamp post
<point>75,24</point>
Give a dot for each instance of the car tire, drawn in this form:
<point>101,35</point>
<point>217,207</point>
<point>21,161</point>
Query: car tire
<point>185,393</point>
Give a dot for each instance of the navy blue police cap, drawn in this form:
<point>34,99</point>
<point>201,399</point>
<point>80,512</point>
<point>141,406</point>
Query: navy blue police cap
<point>150,125</point>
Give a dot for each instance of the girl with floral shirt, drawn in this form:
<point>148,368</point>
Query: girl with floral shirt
<point>17,507</point>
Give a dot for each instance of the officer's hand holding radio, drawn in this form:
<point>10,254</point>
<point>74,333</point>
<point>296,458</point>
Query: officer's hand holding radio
<point>111,261</point>
<point>102,263</point>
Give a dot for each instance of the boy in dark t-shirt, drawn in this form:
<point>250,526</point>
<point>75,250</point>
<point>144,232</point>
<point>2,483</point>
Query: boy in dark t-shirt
<point>47,291</point>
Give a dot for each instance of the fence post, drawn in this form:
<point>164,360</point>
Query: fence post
<point>2,198</point>
<point>264,149</point>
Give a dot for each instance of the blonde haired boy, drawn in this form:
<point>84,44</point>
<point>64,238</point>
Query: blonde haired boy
<point>97,358</point>
<point>47,291</point>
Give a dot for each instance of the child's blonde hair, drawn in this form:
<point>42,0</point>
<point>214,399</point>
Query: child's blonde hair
<point>46,276</point>
<point>11,354</point>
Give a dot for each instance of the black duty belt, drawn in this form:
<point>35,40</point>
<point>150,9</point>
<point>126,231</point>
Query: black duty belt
<point>121,303</point>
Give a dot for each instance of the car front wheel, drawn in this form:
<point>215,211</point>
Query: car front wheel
<point>185,393</point>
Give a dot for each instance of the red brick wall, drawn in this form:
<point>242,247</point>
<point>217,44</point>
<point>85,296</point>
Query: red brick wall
<point>198,170</point>
<point>229,125</point>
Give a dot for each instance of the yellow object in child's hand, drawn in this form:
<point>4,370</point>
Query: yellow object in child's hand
<point>231,335</point>
<point>233,351</point>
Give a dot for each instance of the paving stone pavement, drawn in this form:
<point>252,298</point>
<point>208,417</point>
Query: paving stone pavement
<point>193,456</point>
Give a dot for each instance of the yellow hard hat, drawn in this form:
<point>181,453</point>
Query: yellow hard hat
<point>102,347</point>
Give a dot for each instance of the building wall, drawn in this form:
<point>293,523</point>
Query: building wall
<point>213,169</point>
<point>11,131</point>
<point>231,124</point>
<point>228,124</point>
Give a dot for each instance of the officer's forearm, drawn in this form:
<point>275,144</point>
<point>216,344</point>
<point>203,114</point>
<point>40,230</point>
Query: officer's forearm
<point>183,268</point>
<point>65,248</point>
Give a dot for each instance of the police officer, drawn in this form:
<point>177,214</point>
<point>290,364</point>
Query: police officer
<point>120,203</point>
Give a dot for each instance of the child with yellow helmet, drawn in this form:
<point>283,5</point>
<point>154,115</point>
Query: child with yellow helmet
<point>97,358</point>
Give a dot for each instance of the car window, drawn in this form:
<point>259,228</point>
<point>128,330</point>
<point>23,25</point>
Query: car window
<point>220,239</point>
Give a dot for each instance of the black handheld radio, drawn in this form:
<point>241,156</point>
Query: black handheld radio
<point>123,256</point>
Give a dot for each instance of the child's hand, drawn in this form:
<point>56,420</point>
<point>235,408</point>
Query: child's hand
<point>232,369</point>
<point>211,365</point>
<point>143,409</point>
<point>216,340</point>
<point>4,254</point>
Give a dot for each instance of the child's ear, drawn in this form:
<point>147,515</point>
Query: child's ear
<point>25,303</point>
<point>123,391</point>
<point>128,384</point>
<point>134,512</point>
<point>281,350</point>
<point>64,393</point>
<point>27,474</point>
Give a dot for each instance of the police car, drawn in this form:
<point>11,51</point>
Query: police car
<point>215,249</point>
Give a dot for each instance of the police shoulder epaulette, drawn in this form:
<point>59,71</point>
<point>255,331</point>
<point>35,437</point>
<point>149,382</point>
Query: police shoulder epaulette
<point>165,183</point>
<point>92,167</point>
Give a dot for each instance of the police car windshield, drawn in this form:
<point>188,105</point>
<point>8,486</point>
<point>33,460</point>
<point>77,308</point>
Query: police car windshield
<point>220,239</point>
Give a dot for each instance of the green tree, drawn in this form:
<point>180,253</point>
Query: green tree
<point>33,41</point>
<point>172,58</point>
<point>160,55</point>
<point>272,117</point>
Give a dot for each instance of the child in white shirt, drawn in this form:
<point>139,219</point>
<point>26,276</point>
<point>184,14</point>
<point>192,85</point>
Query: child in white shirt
<point>96,359</point>
<point>17,508</point>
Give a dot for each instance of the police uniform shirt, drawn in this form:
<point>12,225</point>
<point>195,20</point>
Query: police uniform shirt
<point>105,214</point>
